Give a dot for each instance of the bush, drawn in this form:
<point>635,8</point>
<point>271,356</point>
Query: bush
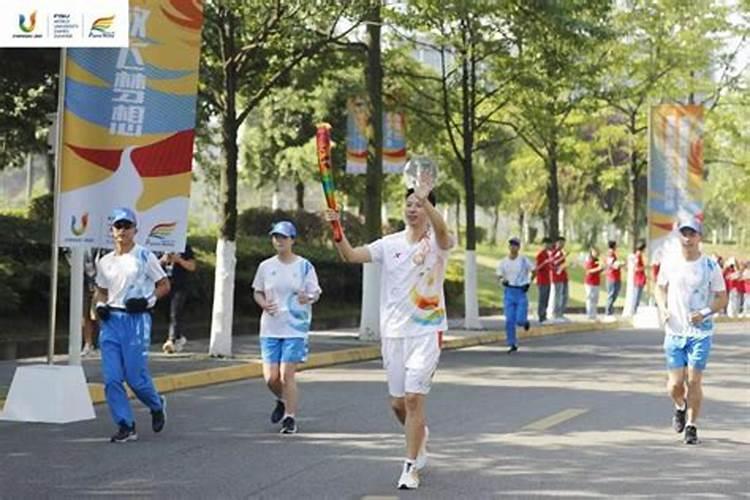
<point>42,208</point>
<point>311,227</point>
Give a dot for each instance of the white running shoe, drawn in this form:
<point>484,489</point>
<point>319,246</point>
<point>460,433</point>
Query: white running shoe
<point>168,347</point>
<point>421,461</point>
<point>88,350</point>
<point>409,479</point>
<point>179,344</point>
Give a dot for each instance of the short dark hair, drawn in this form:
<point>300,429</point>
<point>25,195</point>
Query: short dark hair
<point>561,238</point>
<point>546,240</point>
<point>612,244</point>
<point>430,196</point>
<point>641,245</point>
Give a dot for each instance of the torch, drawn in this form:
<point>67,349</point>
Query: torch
<point>323,142</point>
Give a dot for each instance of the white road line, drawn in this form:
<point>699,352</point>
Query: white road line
<point>554,419</point>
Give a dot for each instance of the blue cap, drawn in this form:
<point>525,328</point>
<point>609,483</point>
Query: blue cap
<point>690,223</point>
<point>284,228</point>
<point>124,213</point>
<point>514,241</point>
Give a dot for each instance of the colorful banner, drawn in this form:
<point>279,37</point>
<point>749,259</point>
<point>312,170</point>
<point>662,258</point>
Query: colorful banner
<point>128,129</point>
<point>394,142</point>
<point>358,134</point>
<point>64,23</point>
<point>675,176</point>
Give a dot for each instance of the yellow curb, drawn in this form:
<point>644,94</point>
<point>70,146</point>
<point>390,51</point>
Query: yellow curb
<point>254,369</point>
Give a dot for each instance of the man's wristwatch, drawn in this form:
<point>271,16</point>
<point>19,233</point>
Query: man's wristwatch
<point>706,312</point>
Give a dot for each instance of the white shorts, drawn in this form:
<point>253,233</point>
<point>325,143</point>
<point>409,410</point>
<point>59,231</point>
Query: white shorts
<point>410,363</point>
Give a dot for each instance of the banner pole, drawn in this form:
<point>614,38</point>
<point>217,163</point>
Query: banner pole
<point>56,210</point>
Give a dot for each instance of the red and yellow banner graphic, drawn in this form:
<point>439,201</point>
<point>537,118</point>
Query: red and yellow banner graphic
<point>675,177</point>
<point>129,126</point>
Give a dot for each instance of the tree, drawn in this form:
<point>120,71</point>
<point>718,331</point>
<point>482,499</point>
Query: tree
<point>558,47</point>
<point>467,38</point>
<point>251,47</point>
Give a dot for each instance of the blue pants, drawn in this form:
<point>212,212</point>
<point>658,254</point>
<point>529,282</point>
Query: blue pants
<point>124,341</point>
<point>613,290</point>
<point>516,306</point>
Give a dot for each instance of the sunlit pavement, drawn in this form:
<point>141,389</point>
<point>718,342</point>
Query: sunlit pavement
<point>577,416</point>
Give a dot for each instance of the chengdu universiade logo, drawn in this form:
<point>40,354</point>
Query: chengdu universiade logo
<point>162,231</point>
<point>102,27</point>
<point>24,26</point>
<point>79,229</point>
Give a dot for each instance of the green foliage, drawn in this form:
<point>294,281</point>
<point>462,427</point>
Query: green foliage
<point>312,229</point>
<point>42,208</point>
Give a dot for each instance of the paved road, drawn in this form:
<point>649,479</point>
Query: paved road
<point>577,416</point>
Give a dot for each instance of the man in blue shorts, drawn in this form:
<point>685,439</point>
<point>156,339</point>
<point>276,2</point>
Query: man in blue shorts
<point>690,290</point>
<point>129,280</point>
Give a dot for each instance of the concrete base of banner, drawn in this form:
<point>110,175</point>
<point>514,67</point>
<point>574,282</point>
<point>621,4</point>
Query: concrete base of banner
<point>50,394</point>
<point>647,318</point>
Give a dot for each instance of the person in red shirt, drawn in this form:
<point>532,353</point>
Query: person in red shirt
<point>735,288</point>
<point>745,280</point>
<point>614,282</point>
<point>591,281</point>
<point>560,278</point>
<point>639,277</point>
<point>544,277</point>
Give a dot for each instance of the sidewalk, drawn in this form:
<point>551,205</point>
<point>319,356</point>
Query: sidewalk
<point>193,367</point>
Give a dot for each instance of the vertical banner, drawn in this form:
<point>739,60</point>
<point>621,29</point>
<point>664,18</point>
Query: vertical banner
<point>675,170</point>
<point>357,135</point>
<point>128,129</point>
<point>394,142</point>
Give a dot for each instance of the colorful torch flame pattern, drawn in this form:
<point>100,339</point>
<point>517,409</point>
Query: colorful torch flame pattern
<point>323,141</point>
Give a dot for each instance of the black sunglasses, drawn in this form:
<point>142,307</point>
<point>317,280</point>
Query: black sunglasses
<point>122,224</point>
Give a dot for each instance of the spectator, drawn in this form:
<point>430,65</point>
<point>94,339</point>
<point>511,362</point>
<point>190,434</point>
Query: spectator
<point>733,280</point>
<point>177,266</point>
<point>90,326</point>
<point>591,281</point>
<point>560,278</point>
<point>614,283</point>
<point>544,277</point>
<point>745,280</point>
<point>639,276</point>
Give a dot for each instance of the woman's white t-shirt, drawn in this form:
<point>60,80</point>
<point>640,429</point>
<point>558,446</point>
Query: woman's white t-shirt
<point>281,282</point>
<point>412,302</point>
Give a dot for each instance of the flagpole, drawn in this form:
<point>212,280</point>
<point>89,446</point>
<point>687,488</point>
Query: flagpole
<point>56,209</point>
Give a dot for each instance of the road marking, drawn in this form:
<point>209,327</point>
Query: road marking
<point>375,497</point>
<point>554,419</point>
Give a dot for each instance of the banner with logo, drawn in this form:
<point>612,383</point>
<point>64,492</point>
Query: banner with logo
<point>64,23</point>
<point>129,126</point>
<point>394,142</point>
<point>675,176</point>
<point>358,135</point>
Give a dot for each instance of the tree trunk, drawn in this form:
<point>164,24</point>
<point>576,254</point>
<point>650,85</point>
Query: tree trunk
<point>300,190</point>
<point>458,221</point>
<point>495,223</point>
<point>633,177</point>
<point>553,194</point>
<point>374,77</point>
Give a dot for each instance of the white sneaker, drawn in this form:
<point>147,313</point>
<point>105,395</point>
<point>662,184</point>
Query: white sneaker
<point>421,461</point>
<point>409,479</point>
<point>88,350</point>
<point>179,344</point>
<point>168,347</point>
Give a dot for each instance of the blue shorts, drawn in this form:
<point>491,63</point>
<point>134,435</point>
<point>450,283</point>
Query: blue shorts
<point>687,351</point>
<point>277,350</point>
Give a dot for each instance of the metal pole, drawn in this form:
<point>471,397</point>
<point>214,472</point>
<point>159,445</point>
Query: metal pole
<point>76,305</point>
<point>56,211</point>
<point>29,178</point>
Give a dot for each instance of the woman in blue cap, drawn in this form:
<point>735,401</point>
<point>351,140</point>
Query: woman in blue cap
<point>285,287</point>
<point>129,280</point>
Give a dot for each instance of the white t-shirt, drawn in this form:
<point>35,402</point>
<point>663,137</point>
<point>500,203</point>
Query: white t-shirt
<point>281,282</point>
<point>691,287</point>
<point>516,271</point>
<point>412,302</point>
<point>130,275</point>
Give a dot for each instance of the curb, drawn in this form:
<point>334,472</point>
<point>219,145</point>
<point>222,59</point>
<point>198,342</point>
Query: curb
<point>254,369</point>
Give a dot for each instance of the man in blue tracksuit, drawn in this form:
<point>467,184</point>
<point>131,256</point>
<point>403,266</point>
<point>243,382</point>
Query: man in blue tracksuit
<point>515,273</point>
<point>129,280</point>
